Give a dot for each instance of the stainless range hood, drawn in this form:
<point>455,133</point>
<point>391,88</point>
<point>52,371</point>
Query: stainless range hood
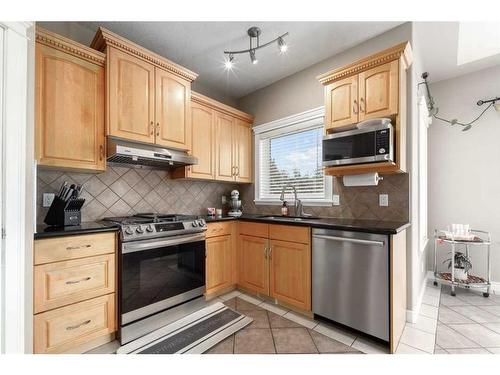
<point>140,155</point>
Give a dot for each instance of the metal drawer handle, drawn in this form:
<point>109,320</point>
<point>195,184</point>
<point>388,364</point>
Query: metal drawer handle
<point>70,328</point>
<point>355,107</point>
<point>78,281</point>
<point>352,240</point>
<point>157,129</point>
<point>152,127</point>
<point>361,104</point>
<point>265,252</point>
<point>270,252</point>
<point>101,152</point>
<point>78,247</point>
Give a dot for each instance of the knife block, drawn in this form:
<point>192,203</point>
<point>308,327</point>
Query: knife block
<point>65,213</point>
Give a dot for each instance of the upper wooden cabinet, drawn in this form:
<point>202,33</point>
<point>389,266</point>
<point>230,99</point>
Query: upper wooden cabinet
<point>131,97</point>
<point>148,95</point>
<point>69,104</point>
<point>370,88</point>
<point>221,139</point>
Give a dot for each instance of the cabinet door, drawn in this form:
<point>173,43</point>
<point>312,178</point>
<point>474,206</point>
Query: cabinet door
<point>254,266</point>
<point>290,273</point>
<point>69,111</point>
<point>218,263</point>
<point>243,151</point>
<point>224,147</point>
<point>173,117</point>
<point>131,90</point>
<point>342,103</point>
<point>203,142</point>
<point>378,91</point>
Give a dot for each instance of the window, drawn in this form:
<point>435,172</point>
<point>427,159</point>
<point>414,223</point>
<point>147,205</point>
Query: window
<point>288,152</point>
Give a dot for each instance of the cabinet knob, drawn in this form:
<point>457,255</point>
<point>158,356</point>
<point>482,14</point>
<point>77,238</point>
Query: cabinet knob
<point>362,104</point>
<point>265,252</point>
<point>237,171</point>
<point>101,152</point>
<point>157,129</point>
<point>152,128</point>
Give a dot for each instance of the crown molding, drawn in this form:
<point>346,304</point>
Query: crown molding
<point>221,107</point>
<point>105,38</point>
<point>66,45</point>
<point>401,51</point>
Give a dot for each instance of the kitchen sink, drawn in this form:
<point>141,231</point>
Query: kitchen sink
<point>288,218</point>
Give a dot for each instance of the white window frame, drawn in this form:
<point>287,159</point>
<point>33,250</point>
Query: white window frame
<point>295,123</point>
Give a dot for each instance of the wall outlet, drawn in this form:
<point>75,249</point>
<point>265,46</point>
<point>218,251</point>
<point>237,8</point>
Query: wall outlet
<point>47,199</point>
<point>336,200</point>
<point>224,199</point>
<point>383,200</point>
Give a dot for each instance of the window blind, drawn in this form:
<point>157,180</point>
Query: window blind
<point>295,159</point>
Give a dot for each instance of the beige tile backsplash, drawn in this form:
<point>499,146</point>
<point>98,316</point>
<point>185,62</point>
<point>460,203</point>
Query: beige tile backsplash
<point>125,191</point>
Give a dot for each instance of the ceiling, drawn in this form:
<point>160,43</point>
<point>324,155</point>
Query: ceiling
<point>440,54</point>
<point>199,46</point>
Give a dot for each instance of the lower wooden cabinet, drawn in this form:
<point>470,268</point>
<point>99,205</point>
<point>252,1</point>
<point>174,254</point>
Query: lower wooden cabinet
<point>275,267</point>
<point>254,265</point>
<point>218,263</point>
<point>60,330</point>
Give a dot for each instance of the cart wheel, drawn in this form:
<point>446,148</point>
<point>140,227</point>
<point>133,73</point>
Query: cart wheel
<point>486,295</point>
<point>435,283</point>
<point>453,294</point>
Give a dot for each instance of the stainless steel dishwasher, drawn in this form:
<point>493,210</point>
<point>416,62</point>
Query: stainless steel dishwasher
<point>350,279</point>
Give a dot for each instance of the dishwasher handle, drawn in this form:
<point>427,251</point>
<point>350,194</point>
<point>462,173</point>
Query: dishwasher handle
<point>347,239</point>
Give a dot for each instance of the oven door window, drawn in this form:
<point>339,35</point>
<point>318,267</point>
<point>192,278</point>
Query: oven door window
<point>154,275</point>
<point>349,147</point>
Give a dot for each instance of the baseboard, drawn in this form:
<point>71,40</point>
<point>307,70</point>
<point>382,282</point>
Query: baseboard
<point>495,286</point>
<point>412,315</point>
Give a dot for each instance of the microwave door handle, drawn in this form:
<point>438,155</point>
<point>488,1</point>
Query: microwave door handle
<point>133,247</point>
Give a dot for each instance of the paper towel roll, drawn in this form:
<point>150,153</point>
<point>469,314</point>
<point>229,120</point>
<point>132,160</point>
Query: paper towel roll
<point>366,179</point>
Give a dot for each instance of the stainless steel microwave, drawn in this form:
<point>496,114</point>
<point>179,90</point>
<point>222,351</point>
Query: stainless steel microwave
<point>367,145</point>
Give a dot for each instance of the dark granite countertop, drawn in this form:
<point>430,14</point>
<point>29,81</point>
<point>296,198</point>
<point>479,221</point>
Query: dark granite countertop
<point>47,231</point>
<point>360,225</point>
<point>213,219</point>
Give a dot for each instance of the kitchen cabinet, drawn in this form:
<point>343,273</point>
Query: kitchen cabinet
<point>222,142</point>
<point>69,104</point>
<point>220,258</point>
<point>74,292</point>
<point>369,88</point>
<point>148,95</point>
<point>275,260</point>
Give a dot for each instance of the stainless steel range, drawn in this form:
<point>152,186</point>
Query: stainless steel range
<point>161,265</point>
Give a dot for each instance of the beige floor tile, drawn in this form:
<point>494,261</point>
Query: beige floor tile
<point>476,314</point>
<point>368,346</point>
<point>418,339</point>
<point>495,310</point>
<point>478,300</point>
<point>448,316</point>
<point>273,308</point>
<point>277,321</point>
<point>230,295</point>
<point>243,305</point>
<point>494,350</point>
<point>425,324</point>
<point>231,303</point>
<point>440,351</point>
<point>447,300</point>
<point>429,311</point>
<point>431,300</point>
<point>250,299</point>
<point>293,340</point>
<point>493,326</point>
<point>477,333</point>
<point>448,338</point>
<point>294,317</point>
<point>254,341</point>
<point>327,345</point>
<point>468,351</point>
<point>260,319</point>
<point>335,333</point>
<point>223,347</point>
<point>406,349</point>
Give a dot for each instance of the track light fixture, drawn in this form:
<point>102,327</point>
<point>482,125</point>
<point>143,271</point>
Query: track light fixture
<point>254,33</point>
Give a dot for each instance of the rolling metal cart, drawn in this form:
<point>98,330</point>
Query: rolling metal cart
<point>481,239</point>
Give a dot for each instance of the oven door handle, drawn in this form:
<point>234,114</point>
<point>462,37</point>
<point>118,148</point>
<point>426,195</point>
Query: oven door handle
<point>133,247</point>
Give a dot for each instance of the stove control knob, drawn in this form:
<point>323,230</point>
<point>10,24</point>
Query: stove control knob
<point>150,228</point>
<point>201,222</point>
<point>194,223</point>
<point>129,230</point>
<point>139,230</point>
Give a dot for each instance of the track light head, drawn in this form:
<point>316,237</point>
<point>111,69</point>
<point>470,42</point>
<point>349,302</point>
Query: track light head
<point>229,62</point>
<point>283,47</point>
<point>253,58</point>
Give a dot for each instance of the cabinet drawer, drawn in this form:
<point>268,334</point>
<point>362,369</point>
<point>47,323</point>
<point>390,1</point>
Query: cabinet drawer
<point>62,283</point>
<point>218,229</point>
<point>290,233</point>
<point>254,229</point>
<point>59,330</point>
<point>73,247</point>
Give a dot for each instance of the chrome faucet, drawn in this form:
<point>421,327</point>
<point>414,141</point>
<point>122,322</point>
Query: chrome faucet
<point>298,209</point>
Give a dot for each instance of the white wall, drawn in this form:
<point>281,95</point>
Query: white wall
<point>464,167</point>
